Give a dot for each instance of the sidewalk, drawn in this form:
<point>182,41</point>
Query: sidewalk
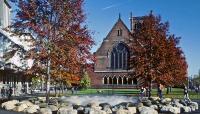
<point>2,111</point>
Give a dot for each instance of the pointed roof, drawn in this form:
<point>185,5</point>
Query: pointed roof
<point>22,41</point>
<point>6,2</point>
<point>119,21</point>
<point>103,47</point>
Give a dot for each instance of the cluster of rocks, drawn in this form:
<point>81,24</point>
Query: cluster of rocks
<point>167,105</point>
<point>58,106</point>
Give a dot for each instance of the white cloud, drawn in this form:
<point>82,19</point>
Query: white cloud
<point>110,6</point>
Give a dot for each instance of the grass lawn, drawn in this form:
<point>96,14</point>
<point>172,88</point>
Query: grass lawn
<point>176,92</point>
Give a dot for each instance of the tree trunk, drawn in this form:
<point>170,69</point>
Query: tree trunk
<point>150,88</point>
<point>167,90</point>
<point>62,87</point>
<point>48,79</point>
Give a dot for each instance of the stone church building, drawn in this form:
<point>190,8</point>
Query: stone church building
<point>112,68</point>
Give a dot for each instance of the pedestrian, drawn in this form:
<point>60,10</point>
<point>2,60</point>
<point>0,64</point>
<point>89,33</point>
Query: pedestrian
<point>186,96</point>
<point>142,92</point>
<point>72,90</point>
<point>148,93</point>
<point>160,88</point>
<point>76,89</point>
<point>3,92</point>
<point>10,91</point>
<point>196,89</point>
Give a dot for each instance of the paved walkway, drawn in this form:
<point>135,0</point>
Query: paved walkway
<point>9,112</point>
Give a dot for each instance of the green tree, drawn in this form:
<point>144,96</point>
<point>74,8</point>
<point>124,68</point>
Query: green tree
<point>36,82</point>
<point>85,81</point>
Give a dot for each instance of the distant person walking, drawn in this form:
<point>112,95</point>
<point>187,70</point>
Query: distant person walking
<point>3,92</point>
<point>160,89</point>
<point>186,96</point>
<point>72,90</point>
<point>10,91</point>
<point>76,89</point>
<point>142,92</point>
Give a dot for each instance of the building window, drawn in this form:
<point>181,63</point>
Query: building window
<point>119,80</point>
<point>105,80</point>
<point>119,32</point>
<point>138,26</point>
<point>119,57</point>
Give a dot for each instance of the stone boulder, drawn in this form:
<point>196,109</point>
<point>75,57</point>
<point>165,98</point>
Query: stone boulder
<point>175,100</point>
<point>170,109</point>
<point>123,111</point>
<point>53,107</point>
<point>108,110</point>
<point>183,102</point>
<point>75,106</point>
<point>80,108</point>
<point>147,102</point>
<point>140,105</point>
<point>43,105</point>
<point>179,105</point>
<point>166,101</point>
<point>9,105</point>
<point>53,101</point>
<point>28,103</point>
<point>133,110</point>
<point>186,109</point>
<point>45,111</point>
<point>32,109</point>
<point>117,107</point>
<point>194,106</point>
<point>87,110</point>
<point>96,111</point>
<point>105,105</point>
<point>147,110</point>
<point>93,104</point>
<point>67,110</point>
<point>20,108</point>
<point>33,99</point>
<point>63,104</point>
<point>42,99</point>
<point>125,105</point>
<point>155,107</point>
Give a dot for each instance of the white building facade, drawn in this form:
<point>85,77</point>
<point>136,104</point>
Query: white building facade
<point>12,49</point>
<point>5,9</point>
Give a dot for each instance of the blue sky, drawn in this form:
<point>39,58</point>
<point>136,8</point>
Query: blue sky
<point>183,16</point>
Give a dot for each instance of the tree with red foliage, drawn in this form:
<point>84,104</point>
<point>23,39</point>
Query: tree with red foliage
<point>156,57</point>
<point>62,40</point>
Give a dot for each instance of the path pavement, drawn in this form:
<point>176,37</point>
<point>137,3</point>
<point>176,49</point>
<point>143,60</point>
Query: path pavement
<point>9,112</point>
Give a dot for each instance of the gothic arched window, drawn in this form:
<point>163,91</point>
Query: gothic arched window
<point>120,57</point>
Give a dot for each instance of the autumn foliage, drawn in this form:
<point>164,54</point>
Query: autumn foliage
<point>60,35</point>
<point>156,55</point>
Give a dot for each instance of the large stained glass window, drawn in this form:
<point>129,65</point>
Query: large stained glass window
<point>120,57</point>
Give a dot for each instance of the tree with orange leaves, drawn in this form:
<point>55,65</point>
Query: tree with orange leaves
<point>156,57</point>
<point>61,37</point>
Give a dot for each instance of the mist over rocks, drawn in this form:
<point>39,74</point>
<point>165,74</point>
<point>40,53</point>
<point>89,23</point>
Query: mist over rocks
<point>112,100</point>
